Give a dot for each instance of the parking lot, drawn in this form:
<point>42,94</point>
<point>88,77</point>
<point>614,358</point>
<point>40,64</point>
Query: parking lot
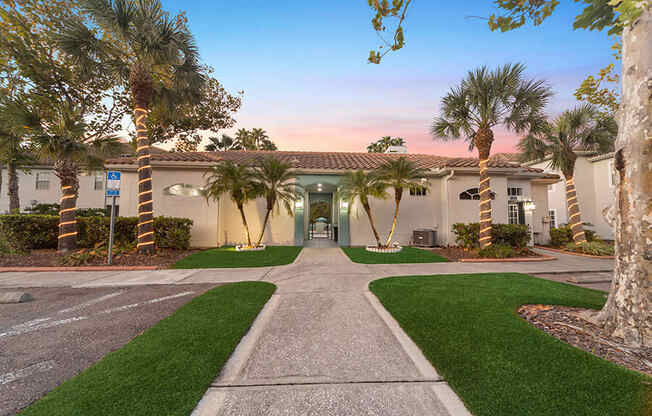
<point>65,330</point>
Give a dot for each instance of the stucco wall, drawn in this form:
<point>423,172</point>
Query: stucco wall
<point>279,231</point>
<point>604,196</point>
<point>539,194</point>
<point>27,192</point>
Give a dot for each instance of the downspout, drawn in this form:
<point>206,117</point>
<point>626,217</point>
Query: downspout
<point>448,205</point>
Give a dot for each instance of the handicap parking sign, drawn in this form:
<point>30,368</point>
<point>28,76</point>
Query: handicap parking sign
<point>113,183</point>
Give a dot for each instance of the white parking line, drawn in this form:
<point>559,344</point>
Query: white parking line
<point>44,323</point>
<point>91,302</point>
<point>27,371</point>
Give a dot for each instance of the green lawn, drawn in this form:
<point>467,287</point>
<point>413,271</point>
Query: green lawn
<point>228,257</point>
<point>166,370</point>
<point>407,255</point>
<point>467,326</point>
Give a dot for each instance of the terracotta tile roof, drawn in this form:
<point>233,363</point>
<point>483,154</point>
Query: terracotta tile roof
<point>325,160</point>
<point>506,157</point>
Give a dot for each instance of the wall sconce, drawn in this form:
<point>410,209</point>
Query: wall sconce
<point>344,205</point>
<point>529,206</point>
<point>298,204</point>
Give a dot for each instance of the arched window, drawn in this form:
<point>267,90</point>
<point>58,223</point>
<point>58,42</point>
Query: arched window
<point>474,193</point>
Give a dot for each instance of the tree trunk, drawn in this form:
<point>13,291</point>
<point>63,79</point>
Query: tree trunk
<point>67,172</point>
<point>244,222</point>
<point>483,140</point>
<point>141,85</point>
<point>627,311</point>
<point>262,232</point>
<point>367,209</point>
<point>398,194</point>
<point>574,218</point>
<point>12,188</point>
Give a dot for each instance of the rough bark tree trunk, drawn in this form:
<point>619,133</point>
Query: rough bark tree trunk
<point>483,140</point>
<point>141,84</point>
<point>262,232</point>
<point>367,209</point>
<point>244,222</point>
<point>574,217</point>
<point>67,172</point>
<point>398,195</point>
<point>627,311</point>
<point>12,188</point>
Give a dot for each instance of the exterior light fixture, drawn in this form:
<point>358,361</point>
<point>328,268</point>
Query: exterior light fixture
<point>344,205</point>
<point>298,204</point>
<point>529,206</point>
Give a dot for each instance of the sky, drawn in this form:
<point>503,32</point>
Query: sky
<point>303,66</point>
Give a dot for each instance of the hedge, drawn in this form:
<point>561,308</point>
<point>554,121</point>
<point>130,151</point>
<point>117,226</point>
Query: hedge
<point>26,232</point>
<point>513,235</point>
<point>563,235</point>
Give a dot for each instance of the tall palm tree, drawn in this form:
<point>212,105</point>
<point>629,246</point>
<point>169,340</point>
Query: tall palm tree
<point>278,185</point>
<point>155,56</point>
<point>220,145</point>
<point>238,182</point>
<point>65,141</point>
<point>384,143</point>
<point>401,174</point>
<point>581,128</point>
<point>15,121</point>
<point>483,100</point>
<point>254,139</point>
<point>363,186</point>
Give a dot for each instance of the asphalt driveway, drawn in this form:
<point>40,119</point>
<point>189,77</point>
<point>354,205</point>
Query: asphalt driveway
<point>65,330</point>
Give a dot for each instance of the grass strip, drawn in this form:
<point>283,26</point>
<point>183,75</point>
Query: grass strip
<point>407,255</point>
<point>167,369</point>
<point>467,326</point>
<point>227,257</point>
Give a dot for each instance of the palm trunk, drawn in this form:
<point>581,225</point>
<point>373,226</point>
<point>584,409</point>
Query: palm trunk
<point>398,194</point>
<point>262,232</point>
<point>574,218</point>
<point>141,85</point>
<point>67,172</point>
<point>12,191</point>
<point>367,209</point>
<point>627,311</point>
<point>483,140</point>
<point>244,222</point>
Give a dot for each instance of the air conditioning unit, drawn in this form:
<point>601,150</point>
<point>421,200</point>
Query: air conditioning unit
<point>424,237</point>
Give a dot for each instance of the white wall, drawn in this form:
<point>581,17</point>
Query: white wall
<point>605,196</point>
<point>89,197</point>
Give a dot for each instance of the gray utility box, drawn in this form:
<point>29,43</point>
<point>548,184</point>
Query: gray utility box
<point>424,237</point>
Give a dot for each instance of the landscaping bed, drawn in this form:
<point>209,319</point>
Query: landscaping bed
<point>163,258</point>
<point>406,255</point>
<point>227,257</point>
<point>167,369</point>
<point>499,364</point>
<point>460,253</point>
<point>574,253</point>
<point>568,324</point>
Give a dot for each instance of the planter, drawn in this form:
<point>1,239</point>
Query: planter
<point>388,250</point>
<point>242,247</point>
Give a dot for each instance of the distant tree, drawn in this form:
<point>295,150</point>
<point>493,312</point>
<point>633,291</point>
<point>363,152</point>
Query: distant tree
<point>254,139</point>
<point>152,54</point>
<point>581,128</point>
<point>381,146</point>
<point>236,180</point>
<point>483,100</point>
<point>362,186</point>
<point>401,174</point>
<point>277,184</point>
<point>220,145</point>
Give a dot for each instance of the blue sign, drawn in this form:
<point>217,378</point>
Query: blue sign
<point>113,183</point>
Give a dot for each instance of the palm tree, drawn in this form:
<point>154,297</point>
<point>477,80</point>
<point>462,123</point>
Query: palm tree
<point>65,140</point>
<point>384,143</point>
<point>151,53</point>
<point>362,186</point>
<point>15,121</point>
<point>483,100</point>
<point>277,185</point>
<point>581,128</point>
<point>238,181</point>
<point>220,145</point>
<point>254,139</point>
<point>400,174</point>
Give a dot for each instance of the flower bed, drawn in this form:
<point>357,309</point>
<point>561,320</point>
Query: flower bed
<point>243,247</point>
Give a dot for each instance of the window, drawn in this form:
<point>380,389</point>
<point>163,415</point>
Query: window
<point>553,218</point>
<point>613,175</point>
<point>474,193</point>
<point>42,180</point>
<point>514,191</point>
<point>98,184</point>
<point>418,191</point>
<point>513,214</point>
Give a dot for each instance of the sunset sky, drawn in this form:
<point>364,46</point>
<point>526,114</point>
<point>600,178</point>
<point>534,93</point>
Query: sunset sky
<point>306,81</point>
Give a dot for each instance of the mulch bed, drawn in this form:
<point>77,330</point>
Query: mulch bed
<point>566,323</point>
<point>458,253</point>
<point>574,253</point>
<point>50,258</point>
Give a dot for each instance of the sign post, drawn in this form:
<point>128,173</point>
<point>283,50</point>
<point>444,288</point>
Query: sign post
<point>112,190</point>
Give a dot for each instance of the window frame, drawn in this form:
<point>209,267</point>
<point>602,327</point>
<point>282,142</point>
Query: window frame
<point>418,191</point>
<point>552,215</point>
<point>41,181</point>
<point>475,193</point>
<point>518,193</point>
<point>102,177</point>
<point>509,214</point>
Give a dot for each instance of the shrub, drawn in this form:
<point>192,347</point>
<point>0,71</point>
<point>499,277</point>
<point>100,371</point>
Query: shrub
<point>498,251</point>
<point>25,232</point>
<point>594,248</point>
<point>97,254</point>
<point>53,209</point>
<point>513,235</point>
<point>561,236</point>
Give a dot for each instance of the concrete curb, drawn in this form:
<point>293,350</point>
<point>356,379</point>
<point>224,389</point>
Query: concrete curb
<point>509,260</point>
<point>572,253</point>
<point>78,269</point>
